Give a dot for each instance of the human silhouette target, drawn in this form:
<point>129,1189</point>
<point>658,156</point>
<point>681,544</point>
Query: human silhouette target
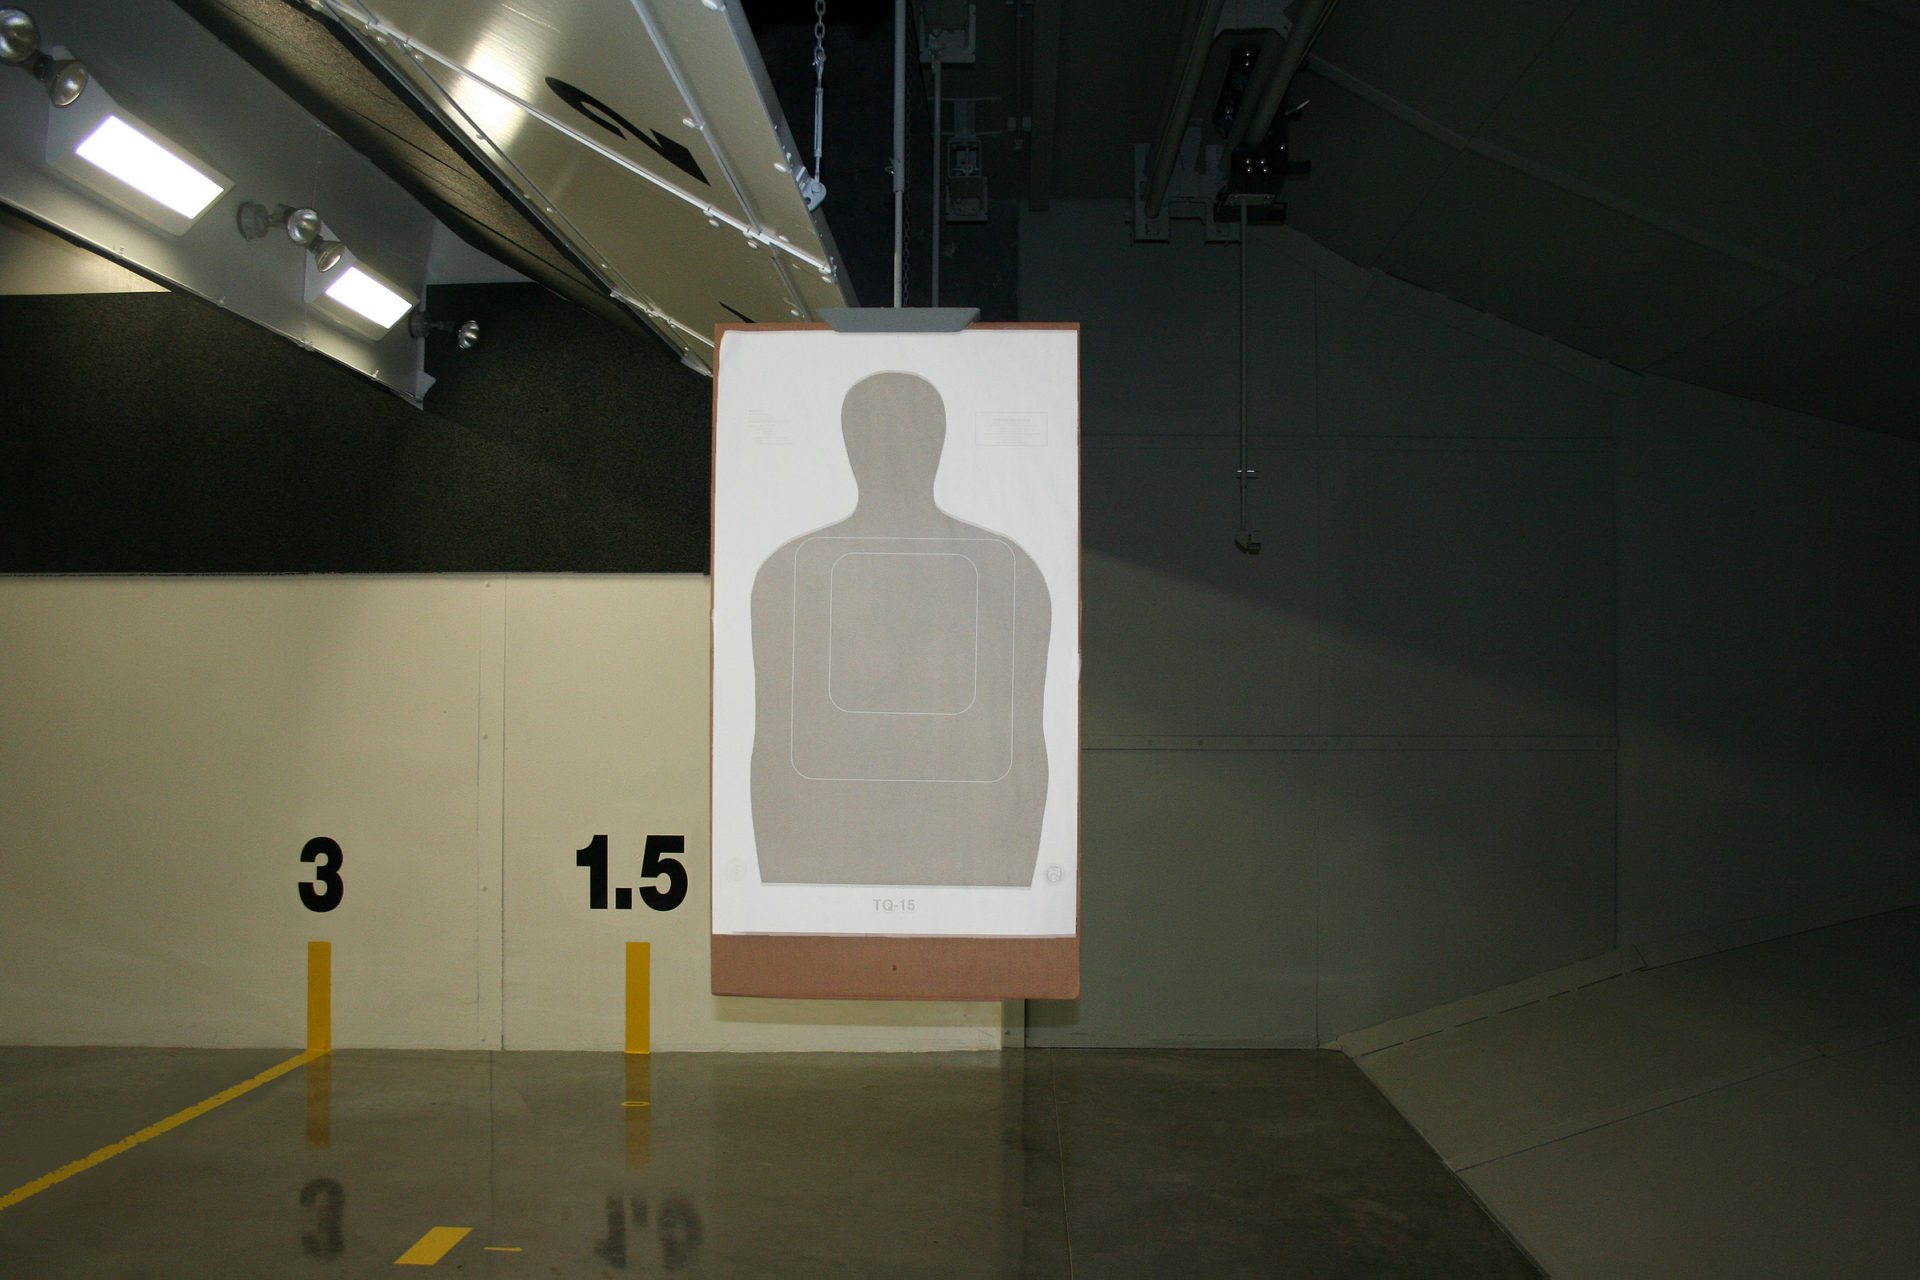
<point>900,660</point>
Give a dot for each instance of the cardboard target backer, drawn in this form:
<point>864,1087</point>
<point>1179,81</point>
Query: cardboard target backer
<point>896,663</point>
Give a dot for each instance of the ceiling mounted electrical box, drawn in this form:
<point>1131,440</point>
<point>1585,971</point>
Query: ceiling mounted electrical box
<point>948,31</point>
<point>1216,174</point>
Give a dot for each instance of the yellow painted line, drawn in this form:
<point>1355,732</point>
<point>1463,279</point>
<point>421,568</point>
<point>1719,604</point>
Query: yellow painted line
<point>636,1102</point>
<point>639,998</point>
<point>154,1130</point>
<point>432,1247</point>
<point>503,1248</point>
<point>319,997</point>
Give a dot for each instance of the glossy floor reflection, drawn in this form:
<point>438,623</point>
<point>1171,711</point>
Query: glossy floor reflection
<point>1044,1163</point>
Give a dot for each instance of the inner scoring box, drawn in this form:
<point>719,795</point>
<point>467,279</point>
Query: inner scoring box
<point>903,659</point>
<point>903,633</point>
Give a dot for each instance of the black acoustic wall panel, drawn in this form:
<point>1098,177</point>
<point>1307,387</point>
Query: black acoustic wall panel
<point>155,433</point>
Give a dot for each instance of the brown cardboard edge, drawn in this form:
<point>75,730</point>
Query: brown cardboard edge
<point>816,967</point>
<point>885,967</point>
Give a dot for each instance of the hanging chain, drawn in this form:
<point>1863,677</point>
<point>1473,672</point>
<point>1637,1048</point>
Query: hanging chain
<point>812,190</point>
<point>819,77</point>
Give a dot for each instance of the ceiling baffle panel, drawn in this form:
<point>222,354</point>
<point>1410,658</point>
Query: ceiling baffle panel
<point>589,66</point>
<point>484,105</point>
<point>585,105</point>
<point>659,250</point>
<point>715,51</point>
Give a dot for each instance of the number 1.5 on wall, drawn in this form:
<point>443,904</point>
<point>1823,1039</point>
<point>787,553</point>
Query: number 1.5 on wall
<point>653,864</point>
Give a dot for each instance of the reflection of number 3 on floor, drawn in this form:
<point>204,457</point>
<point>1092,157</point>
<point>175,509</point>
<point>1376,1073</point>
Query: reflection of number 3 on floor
<point>900,658</point>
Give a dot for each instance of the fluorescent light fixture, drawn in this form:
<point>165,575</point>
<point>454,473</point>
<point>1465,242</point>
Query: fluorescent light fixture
<point>99,144</point>
<point>368,298</point>
<point>149,167</point>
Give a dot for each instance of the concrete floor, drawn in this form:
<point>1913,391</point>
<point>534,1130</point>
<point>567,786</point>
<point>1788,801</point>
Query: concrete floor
<point>1043,1163</point>
<point>1754,1112</point>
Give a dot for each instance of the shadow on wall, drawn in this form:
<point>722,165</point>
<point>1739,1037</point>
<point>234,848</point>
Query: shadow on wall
<point>1474,594</point>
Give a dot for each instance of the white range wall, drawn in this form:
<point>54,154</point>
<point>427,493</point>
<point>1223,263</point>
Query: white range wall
<point>168,745</point>
<point>1539,659</point>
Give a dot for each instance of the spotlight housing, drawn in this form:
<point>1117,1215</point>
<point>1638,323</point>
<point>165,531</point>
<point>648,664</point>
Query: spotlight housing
<point>19,36</point>
<point>65,78</point>
<point>303,225</point>
<point>466,335</point>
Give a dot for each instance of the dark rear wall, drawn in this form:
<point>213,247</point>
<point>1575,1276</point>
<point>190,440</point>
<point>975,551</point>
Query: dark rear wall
<point>156,433</point>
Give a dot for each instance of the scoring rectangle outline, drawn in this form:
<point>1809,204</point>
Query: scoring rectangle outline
<point>793,660</point>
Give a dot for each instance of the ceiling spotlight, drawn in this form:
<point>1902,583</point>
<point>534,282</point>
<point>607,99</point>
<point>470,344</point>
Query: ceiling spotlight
<point>301,225</point>
<point>466,336</point>
<point>65,78</point>
<point>19,36</point>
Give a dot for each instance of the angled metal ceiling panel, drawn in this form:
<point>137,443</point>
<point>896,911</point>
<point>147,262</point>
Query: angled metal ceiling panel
<point>645,134</point>
<point>671,257</point>
<point>729,84</point>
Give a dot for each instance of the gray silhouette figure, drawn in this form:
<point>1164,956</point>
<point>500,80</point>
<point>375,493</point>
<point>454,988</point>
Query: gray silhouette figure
<point>899,660</point>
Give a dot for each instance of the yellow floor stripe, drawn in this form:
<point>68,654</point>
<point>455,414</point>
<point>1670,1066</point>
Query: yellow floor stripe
<point>432,1247</point>
<point>173,1121</point>
<point>319,997</point>
<point>503,1248</point>
<point>639,998</point>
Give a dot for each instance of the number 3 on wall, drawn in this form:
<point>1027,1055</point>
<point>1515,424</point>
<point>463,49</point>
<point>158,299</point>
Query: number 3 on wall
<point>327,889</point>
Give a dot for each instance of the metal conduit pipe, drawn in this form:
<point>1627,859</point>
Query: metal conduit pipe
<point>899,151</point>
<point>1263,99</point>
<point>1196,36</point>
<point>933,273</point>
